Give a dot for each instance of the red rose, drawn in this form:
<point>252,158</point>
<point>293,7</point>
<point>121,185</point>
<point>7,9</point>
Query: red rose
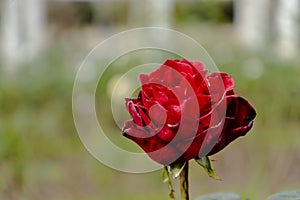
<point>183,112</point>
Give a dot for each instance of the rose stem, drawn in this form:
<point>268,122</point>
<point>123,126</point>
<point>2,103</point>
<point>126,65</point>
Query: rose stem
<point>184,182</point>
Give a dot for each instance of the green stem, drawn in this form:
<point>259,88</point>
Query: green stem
<point>184,182</point>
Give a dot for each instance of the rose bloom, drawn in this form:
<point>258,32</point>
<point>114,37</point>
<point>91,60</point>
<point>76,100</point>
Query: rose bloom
<point>183,112</point>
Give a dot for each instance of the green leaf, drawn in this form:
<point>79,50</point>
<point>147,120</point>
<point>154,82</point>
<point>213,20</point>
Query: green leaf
<point>166,179</point>
<point>220,196</point>
<point>175,169</point>
<point>205,163</point>
<point>286,195</point>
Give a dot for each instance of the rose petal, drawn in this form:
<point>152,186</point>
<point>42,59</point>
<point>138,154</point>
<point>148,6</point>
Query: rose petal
<point>237,126</point>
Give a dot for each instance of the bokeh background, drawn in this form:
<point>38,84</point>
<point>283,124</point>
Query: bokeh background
<point>43,44</point>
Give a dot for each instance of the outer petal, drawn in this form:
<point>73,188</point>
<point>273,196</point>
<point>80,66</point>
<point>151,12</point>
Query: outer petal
<point>156,147</point>
<point>180,66</point>
<point>239,120</point>
<point>198,65</point>
<point>216,85</point>
<point>202,143</point>
<point>133,110</point>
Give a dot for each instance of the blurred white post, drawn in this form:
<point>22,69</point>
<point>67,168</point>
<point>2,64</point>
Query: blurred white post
<point>288,23</point>
<point>10,29</point>
<point>22,27</point>
<point>151,12</point>
<point>160,12</point>
<point>35,23</point>
<point>251,21</point>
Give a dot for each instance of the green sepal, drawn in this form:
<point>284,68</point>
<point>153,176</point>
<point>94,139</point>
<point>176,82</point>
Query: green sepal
<point>175,169</point>
<point>165,175</point>
<point>205,163</point>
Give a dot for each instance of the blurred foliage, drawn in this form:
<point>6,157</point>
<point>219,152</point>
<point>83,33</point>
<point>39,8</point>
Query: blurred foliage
<point>35,109</point>
<point>72,14</point>
<point>204,11</point>
<point>66,14</point>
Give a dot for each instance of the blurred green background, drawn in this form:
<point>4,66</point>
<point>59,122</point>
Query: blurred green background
<point>41,156</point>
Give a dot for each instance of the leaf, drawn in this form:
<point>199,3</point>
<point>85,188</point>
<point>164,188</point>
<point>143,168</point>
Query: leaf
<point>205,163</point>
<point>220,196</point>
<point>166,179</point>
<point>175,169</point>
<point>286,195</point>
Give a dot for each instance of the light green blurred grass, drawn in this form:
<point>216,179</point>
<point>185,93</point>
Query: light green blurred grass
<point>41,155</point>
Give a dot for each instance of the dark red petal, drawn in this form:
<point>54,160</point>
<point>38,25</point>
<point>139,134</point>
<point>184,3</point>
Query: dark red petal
<point>173,112</point>
<point>235,126</point>
<point>189,119</point>
<point>156,148</point>
<point>132,108</point>
<point>198,65</point>
<point>181,67</point>
<point>199,78</point>
<point>130,130</point>
<point>144,116</point>
<point>144,79</point>
<point>166,134</point>
<point>204,103</point>
<point>158,114</point>
<point>202,143</point>
<point>166,155</point>
<point>220,83</point>
<point>160,96</point>
<point>164,75</point>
